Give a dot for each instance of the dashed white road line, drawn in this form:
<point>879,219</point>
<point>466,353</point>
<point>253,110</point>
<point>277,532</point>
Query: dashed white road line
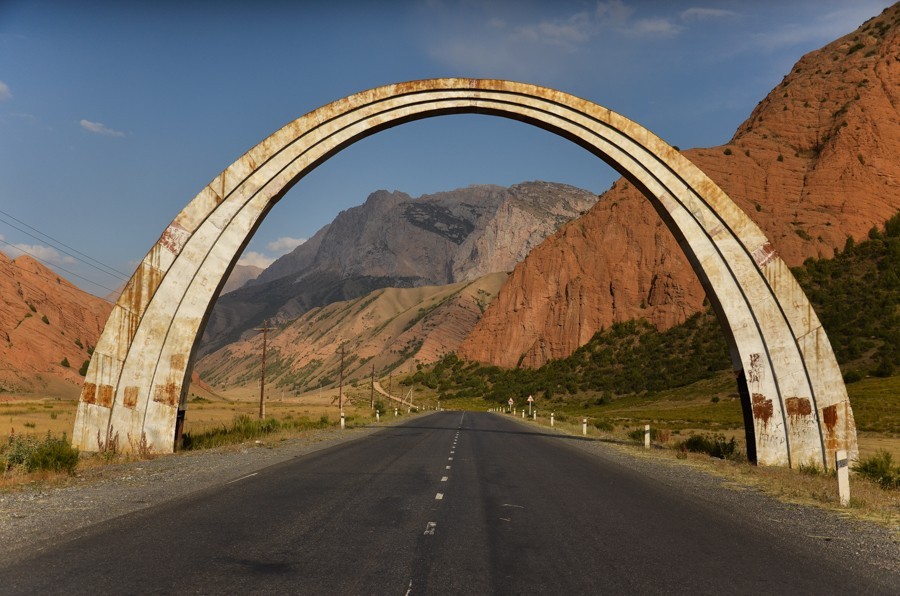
<point>439,497</point>
<point>444,478</point>
<point>430,528</point>
<point>448,467</point>
<point>449,459</point>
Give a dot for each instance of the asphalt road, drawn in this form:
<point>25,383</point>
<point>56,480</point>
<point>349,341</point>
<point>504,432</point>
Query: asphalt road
<point>450,503</point>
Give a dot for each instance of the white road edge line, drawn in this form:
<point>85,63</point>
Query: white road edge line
<point>242,478</point>
<point>409,591</point>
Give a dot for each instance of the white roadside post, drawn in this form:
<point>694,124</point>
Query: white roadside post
<point>377,416</point>
<point>584,426</point>
<point>395,412</point>
<point>843,476</point>
<point>551,419</point>
<point>523,413</point>
<point>534,416</point>
<point>646,436</point>
<point>342,419</point>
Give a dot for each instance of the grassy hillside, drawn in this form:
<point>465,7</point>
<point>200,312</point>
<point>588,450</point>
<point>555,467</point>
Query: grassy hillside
<point>857,296</point>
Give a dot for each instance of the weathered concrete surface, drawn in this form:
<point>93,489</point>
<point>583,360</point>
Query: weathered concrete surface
<point>797,402</point>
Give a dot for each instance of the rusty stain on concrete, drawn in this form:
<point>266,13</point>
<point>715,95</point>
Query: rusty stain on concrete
<point>830,418</point>
<point>764,254</point>
<point>105,395</point>
<point>167,394</point>
<point>131,397</point>
<point>762,408</point>
<point>178,361</point>
<point>798,406</point>
<point>174,238</point>
<point>89,393</point>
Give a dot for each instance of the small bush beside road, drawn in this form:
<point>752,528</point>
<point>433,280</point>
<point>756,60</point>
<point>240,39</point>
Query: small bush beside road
<point>26,453</point>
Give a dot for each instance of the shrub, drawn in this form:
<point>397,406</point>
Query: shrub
<point>727,152</point>
<point>29,454</point>
<point>45,319</point>
<point>245,428</point>
<point>16,451</point>
<point>65,362</point>
<point>852,376</point>
<point>84,368</point>
<point>656,434</point>
<point>713,445</point>
<point>53,455</point>
<point>604,425</point>
<point>880,469</point>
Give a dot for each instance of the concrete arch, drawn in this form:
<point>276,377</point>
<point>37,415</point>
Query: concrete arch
<point>795,403</point>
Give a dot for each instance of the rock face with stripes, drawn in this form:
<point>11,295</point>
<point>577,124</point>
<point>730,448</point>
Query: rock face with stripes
<point>795,400</point>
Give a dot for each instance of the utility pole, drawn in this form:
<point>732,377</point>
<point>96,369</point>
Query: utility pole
<point>262,382</point>
<point>341,383</point>
<point>372,392</point>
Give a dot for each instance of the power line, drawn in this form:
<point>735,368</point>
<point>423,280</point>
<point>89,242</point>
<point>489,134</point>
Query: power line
<point>47,238</point>
<point>72,273</point>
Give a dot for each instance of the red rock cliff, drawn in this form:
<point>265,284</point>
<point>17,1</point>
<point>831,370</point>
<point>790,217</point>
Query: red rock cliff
<point>816,161</point>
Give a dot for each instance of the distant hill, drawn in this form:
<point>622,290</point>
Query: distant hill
<point>48,328</point>
<point>815,162</point>
<point>394,240</point>
<point>392,329</point>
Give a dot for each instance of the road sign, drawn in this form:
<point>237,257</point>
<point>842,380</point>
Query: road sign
<point>530,399</point>
<point>511,402</point>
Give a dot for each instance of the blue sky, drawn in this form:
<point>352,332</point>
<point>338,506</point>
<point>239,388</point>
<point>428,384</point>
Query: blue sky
<point>113,115</point>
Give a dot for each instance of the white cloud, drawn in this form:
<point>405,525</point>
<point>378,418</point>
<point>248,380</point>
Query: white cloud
<point>499,42</point>
<point>5,93</point>
<point>47,254</point>
<point>613,12</point>
<point>823,29</point>
<point>702,14</point>
<point>565,33</point>
<point>255,259</point>
<point>100,129</point>
<point>285,244</point>
<point>654,28</point>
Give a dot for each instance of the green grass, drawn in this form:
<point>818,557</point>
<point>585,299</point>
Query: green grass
<point>244,428</point>
<point>876,404</point>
